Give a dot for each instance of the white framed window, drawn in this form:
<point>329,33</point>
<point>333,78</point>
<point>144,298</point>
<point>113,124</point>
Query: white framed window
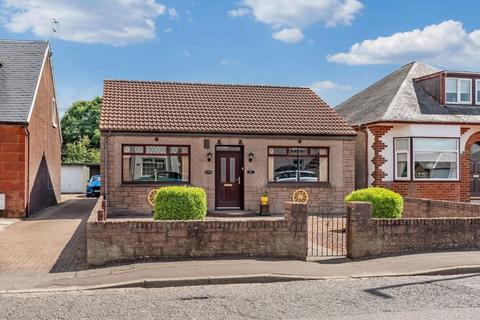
<point>458,91</point>
<point>465,89</point>
<point>402,158</point>
<point>477,94</point>
<point>435,158</point>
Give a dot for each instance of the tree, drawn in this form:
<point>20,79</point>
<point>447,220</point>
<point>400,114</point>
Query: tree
<point>82,119</point>
<point>80,152</point>
<point>80,131</point>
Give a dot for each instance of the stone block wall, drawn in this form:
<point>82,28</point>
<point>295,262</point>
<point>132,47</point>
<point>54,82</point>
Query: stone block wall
<point>369,237</point>
<point>131,199</point>
<point>125,241</point>
<point>426,208</point>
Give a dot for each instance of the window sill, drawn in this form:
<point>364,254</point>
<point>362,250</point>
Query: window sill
<point>300,184</point>
<point>155,184</point>
<point>427,180</point>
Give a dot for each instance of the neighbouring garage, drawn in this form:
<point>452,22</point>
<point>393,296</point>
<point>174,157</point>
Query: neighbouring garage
<point>74,178</point>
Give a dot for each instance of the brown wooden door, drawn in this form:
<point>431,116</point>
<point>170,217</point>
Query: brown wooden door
<point>475,170</point>
<point>229,177</point>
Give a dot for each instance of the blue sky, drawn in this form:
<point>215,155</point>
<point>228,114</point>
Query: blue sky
<point>283,42</point>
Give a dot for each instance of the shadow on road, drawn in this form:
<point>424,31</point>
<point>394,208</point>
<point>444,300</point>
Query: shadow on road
<point>379,291</point>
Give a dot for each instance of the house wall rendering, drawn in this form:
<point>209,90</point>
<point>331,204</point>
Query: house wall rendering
<point>127,198</point>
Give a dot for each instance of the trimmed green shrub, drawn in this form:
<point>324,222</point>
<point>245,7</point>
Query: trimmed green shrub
<point>385,202</point>
<point>180,203</point>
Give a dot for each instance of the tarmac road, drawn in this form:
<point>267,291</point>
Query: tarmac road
<point>432,297</point>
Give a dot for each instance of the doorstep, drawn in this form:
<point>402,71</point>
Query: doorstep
<point>231,213</point>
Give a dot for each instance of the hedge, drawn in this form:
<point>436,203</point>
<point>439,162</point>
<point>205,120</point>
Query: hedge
<point>385,202</point>
<point>180,203</point>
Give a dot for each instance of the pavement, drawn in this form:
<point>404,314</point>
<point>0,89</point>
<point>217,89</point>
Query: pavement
<point>228,271</point>
<point>47,252</point>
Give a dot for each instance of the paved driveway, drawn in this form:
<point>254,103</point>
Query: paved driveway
<point>51,241</point>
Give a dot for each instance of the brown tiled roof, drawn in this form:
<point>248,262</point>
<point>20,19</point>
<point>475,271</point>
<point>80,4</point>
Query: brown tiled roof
<point>216,108</point>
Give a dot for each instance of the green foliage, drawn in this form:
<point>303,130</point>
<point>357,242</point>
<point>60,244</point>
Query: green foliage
<point>81,121</point>
<point>80,152</point>
<point>180,203</point>
<point>385,202</point>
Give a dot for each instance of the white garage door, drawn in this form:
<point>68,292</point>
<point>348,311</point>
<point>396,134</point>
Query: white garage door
<point>74,179</point>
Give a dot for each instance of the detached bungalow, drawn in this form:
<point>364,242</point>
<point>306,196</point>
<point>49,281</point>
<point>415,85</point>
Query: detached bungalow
<point>236,141</point>
<point>419,133</point>
<point>30,137</point>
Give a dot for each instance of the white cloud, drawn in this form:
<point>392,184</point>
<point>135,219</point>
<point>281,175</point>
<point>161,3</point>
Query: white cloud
<point>240,12</point>
<point>173,13</point>
<point>116,22</point>
<point>225,62</point>
<point>446,44</point>
<point>289,35</point>
<point>326,85</point>
<point>167,30</point>
<point>299,14</point>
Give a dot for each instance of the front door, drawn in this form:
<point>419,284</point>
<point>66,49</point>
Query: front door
<point>475,170</point>
<point>229,177</point>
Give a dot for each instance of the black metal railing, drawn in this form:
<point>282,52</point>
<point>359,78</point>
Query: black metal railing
<point>327,234</point>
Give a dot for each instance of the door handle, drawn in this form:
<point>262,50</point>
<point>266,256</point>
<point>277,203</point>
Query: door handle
<point>239,180</point>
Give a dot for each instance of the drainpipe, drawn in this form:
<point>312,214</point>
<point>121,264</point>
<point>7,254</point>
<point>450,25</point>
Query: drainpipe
<point>27,187</point>
<point>105,172</point>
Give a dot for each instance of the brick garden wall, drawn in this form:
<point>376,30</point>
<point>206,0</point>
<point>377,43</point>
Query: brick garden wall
<point>368,237</point>
<point>124,241</point>
<point>426,208</point>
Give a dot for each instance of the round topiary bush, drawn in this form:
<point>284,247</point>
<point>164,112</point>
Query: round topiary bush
<point>180,203</point>
<point>385,202</point>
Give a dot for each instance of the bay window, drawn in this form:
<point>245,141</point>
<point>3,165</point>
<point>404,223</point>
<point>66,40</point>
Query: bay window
<point>155,163</point>
<point>435,158</point>
<point>458,91</point>
<point>294,164</point>
<point>402,158</point>
<point>432,158</point>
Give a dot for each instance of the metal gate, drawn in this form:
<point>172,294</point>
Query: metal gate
<point>327,234</point>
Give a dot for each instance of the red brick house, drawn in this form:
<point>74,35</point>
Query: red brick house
<point>30,136</point>
<point>419,133</point>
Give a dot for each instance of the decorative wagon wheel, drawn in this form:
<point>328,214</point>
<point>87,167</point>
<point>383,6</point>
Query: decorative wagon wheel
<point>300,196</point>
<point>151,196</point>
